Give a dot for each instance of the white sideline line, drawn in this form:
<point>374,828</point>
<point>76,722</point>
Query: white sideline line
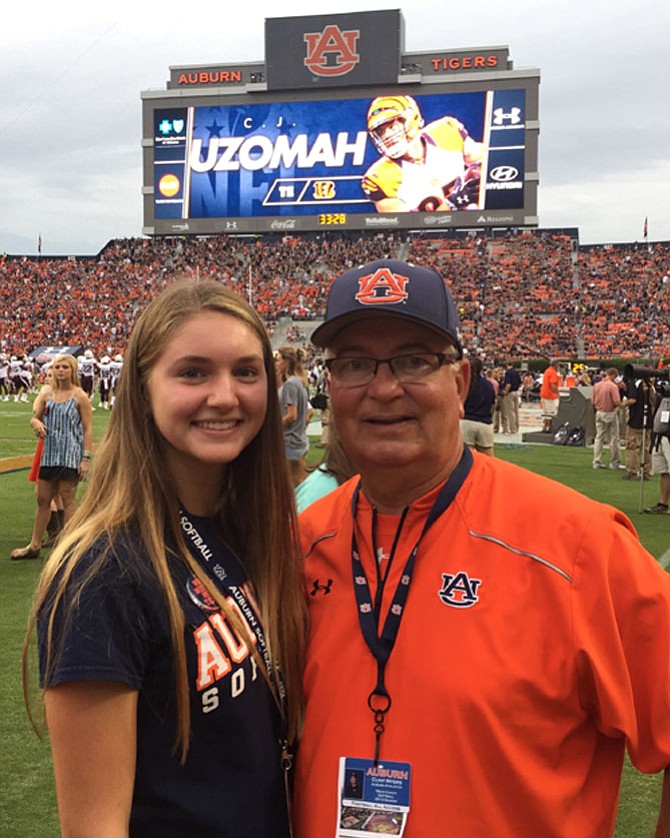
<point>664,561</point>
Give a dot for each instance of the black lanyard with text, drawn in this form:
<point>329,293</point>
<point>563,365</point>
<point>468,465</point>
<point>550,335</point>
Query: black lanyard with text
<point>369,612</point>
<point>200,540</point>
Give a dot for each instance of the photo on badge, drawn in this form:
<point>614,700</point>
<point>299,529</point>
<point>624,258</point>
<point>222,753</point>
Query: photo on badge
<point>374,798</point>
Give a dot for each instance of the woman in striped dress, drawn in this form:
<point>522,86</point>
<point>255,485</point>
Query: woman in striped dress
<point>63,419</point>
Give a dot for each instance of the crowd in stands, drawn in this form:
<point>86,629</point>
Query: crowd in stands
<point>521,294</point>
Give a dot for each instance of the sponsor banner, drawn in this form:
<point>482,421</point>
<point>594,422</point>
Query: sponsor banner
<point>333,50</point>
<point>44,354</point>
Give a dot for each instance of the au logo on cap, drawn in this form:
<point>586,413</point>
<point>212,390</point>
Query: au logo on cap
<point>383,286</point>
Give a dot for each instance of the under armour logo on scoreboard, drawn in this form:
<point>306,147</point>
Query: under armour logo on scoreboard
<point>513,116</point>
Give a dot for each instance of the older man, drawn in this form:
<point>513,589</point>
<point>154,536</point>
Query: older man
<point>482,678</point>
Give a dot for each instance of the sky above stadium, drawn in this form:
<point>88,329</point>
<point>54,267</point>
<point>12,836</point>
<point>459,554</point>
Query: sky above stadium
<point>70,111</point>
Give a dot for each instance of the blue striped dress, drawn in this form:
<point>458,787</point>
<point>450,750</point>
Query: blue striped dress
<point>64,443</point>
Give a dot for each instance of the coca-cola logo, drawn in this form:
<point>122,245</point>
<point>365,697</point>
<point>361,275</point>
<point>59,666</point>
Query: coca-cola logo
<point>284,224</point>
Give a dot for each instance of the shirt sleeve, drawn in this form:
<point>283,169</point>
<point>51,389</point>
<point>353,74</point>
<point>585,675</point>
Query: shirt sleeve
<point>102,628</point>
<point>292,391</point>
<point>622,626</point>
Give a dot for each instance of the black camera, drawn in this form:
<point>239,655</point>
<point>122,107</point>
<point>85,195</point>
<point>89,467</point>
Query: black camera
<point>631,372</point>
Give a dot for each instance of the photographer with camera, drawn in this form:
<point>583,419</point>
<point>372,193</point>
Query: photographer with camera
<point>655,388</point>
<point>638,399</point>
<point>660,440</point>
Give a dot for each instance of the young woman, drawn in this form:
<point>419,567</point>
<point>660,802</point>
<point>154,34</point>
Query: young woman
<point>61,417</point>
<point>56,517</point>
<point>170,615</point>
<point>295,409</point>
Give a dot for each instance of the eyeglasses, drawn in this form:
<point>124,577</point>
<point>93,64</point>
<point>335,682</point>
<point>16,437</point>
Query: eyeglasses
<point>359,371</point>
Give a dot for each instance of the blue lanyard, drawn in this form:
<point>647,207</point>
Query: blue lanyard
<point>369,612</point>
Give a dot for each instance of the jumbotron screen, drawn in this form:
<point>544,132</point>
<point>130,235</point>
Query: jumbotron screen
<point>391,160</point>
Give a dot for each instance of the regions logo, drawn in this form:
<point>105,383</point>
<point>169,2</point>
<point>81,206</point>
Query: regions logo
<point>459,590</point>
<point>336,43</point>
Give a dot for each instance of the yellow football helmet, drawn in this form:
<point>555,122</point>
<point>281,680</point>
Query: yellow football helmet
<point>403,110</point>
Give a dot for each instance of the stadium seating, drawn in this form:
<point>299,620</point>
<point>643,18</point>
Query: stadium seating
<point>521,294</point>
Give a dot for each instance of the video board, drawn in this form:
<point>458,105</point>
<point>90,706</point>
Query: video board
<point>321,135</point>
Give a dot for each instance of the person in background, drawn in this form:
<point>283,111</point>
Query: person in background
<point>549,395</point>
<point>494,375</point>
<point>497,672</point>
<point>56,518</point>
<point>62,419</point>
<point>320,402</point>
<point>584,379</point>
<point>477,421</point>
<point>295,409</point>
<point>87,366</point>
<point>606,402</point>
<point>510,399</point>
<point>638,402</point>
<point>169,616</point>
<point>527,386</point>
<point>332,471</point>
<point>660,444</point>
<point>4,377</point>
<point>116,365</point>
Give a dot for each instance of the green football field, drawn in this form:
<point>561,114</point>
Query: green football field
<point>27,799</point>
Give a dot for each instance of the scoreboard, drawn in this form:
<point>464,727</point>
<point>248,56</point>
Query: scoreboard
<point>287,145</point>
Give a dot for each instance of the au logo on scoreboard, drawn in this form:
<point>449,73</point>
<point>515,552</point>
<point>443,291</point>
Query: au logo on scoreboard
<point>339,44</point>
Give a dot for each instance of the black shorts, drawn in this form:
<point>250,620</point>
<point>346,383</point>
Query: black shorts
<point>58,473</point>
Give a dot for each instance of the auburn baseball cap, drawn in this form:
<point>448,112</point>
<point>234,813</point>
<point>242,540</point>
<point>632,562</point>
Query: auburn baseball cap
<point>389,286</point>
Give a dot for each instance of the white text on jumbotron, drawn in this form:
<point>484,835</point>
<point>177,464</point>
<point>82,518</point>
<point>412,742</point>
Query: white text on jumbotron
<point>230,154</point>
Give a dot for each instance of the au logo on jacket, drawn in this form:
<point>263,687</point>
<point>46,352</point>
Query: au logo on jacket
<point>459,590</point>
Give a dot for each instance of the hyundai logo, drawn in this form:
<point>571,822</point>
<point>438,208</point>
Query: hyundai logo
<point>504,173</point>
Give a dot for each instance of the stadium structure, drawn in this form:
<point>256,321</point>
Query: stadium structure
<point>284,144</point>
<point>275,175</point>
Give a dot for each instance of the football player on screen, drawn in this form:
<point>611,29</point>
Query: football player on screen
<point>424,168</point>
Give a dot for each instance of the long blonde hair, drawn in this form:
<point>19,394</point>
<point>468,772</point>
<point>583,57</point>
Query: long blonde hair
<point>295,357</point>
<point>130,488</point>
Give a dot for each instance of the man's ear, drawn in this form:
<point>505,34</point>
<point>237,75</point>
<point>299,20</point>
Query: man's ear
<point>463,380</point>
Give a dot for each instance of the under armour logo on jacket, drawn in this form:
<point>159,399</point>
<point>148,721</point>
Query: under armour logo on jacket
<point>317,586</point>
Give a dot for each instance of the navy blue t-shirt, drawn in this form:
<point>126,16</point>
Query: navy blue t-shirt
<point>232,782</point>
<point>512,378</point>
<point>478,406</point>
